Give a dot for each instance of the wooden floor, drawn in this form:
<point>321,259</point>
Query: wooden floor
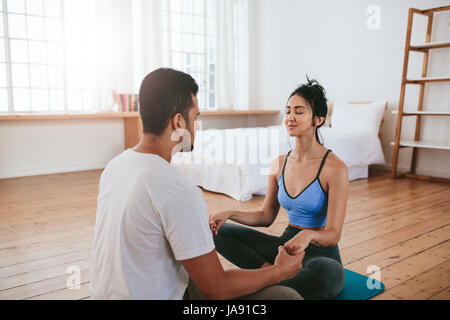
<point>402,226</point>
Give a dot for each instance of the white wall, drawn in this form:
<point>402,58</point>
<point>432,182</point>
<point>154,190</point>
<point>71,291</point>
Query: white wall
<point>329,40</point>
<point>31,147</point>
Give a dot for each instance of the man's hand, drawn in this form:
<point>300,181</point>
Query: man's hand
<point>289,264</point>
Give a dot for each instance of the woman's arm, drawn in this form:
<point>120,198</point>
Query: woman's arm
<point>338,187</point>
<point>260,218</point>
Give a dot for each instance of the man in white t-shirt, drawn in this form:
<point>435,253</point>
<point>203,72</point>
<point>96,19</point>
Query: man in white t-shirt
<point>152,231</point>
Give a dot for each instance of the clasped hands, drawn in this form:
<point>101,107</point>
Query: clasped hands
<point>293,247</point>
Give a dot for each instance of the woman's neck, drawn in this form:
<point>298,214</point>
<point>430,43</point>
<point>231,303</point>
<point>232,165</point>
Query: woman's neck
<point>306,147</point>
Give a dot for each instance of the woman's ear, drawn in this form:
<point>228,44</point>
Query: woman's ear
<point>319,120</point>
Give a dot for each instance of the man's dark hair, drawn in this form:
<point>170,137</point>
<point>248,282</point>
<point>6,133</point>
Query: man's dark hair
<point>164,93</point>
<point>314,94</point>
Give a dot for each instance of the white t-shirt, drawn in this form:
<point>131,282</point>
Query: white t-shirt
<point>149,217</point>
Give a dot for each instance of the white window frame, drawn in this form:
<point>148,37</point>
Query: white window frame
<point>12,109</point>
<point>207,88</point>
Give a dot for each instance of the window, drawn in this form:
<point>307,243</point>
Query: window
<point>188,43</point>
<point>39,71</point>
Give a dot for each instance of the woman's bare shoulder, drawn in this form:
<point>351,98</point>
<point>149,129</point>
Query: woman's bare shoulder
<point>335,166</point>
<point>277,165</point>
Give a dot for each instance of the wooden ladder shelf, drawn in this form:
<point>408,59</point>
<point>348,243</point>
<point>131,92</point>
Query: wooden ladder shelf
<point>419,113</point>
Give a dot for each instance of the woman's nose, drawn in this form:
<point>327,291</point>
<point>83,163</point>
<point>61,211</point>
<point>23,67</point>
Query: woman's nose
<point>291,117</point>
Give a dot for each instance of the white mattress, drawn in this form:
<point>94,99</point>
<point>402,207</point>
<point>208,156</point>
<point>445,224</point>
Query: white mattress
<point>215,167</point>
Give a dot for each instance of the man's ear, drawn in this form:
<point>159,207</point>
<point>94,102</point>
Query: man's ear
<point>178,122</point>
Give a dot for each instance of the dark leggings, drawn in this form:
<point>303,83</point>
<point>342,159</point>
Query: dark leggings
<point>322,274</point>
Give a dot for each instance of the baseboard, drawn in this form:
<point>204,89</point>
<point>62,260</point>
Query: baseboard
<point>51,170</point>
<point>422,171</point>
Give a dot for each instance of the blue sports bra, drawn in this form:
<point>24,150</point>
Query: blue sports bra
<point>309,207</point>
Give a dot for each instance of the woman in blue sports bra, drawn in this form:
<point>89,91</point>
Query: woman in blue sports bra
<point>311,184</point>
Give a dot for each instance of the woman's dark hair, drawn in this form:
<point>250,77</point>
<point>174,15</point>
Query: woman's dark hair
<point>314,94</point>
<point>164,93</point>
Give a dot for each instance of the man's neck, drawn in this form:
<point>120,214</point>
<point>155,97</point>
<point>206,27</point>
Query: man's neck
<point>155,145</point>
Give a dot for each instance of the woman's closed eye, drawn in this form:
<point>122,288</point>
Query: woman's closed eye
<point>297,112</point>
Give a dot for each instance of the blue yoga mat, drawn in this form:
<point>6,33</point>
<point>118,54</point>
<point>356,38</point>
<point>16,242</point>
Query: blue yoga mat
<point>356,287</point>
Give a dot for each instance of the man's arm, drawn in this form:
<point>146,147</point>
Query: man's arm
<point>217,284</point>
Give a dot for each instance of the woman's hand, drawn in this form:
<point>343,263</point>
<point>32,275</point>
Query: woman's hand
<point>298,243</point>
<point>217,220</point>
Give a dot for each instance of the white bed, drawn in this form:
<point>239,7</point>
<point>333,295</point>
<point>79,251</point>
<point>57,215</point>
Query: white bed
<point>235,162</point>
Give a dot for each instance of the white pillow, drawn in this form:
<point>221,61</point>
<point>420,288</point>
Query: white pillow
<point>365,116</point>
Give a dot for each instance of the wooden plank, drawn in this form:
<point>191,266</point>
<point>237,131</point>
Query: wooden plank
<point>43,263</point>
<point>14,256</point>
<point>424,144</point>
<point>39,275</point>
<point>401,250</point>
<point>65,294</point>
<point>430,45</point>
<point>424,285</point>
<point>378,244</point>
<point>402,94</point>
<point>438,9</point>
<point>443,295</point>
<point>408,268</point>
<point>37,288</point>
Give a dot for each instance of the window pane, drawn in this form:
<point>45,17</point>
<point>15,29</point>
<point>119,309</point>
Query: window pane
<point>53,29</point>
<point>175,5</point>
<point>38,52</point>
<point>210,8</point>
<point>35,7</point>
<point>71,9</point>
<point>88,97</point>
<point>74,100</point>
<point>74,77</point>
<point>199,7</point>
<point>56,100</point>
<point>17,26</point>
<point>38,76</point>
<point>55,53</point>
<point>188,23</point>
<point>36,28</point>
<point>175,20</point>
<point>3,100</point>
<point>2,49</point>
<point>202,99</point>
<point>187,43</point>
<point>177,62</point>
<point>176,41</point>
<point>2,33</point>
<point>19,51</point>
<point>187,6</point>
<point>16,6</point>
<point>20,75</point>
<point>39,100</point>
<point>52,8</point>
<point>199,25</point>
<point>3,75</point>
<point>55,76</point>
<point>21,99</point>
